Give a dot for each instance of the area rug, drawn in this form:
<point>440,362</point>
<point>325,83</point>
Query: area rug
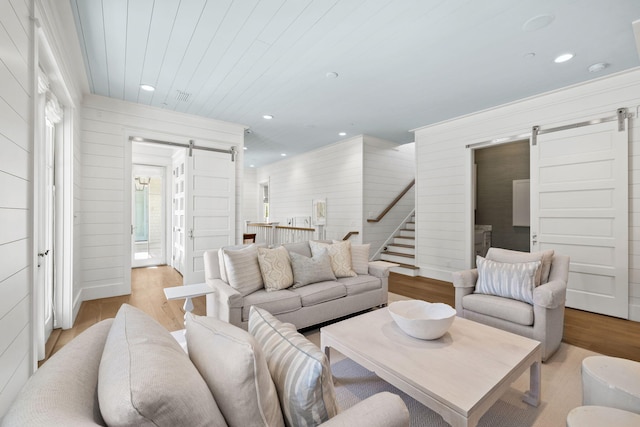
<point>561,392</point>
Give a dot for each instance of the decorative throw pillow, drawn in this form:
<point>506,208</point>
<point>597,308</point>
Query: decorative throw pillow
<point>299,369</point>
<point>233,364</point>
<point>146,379</point>
<point>243,270</point>
<point>275,267</point>
<point>340,255</point>
<point>514,281</point>
<point>360,258</point>
<point>311,270</point>
<point>509,256</point>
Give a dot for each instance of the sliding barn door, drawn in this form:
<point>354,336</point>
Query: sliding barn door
<point>579,207</point>
<point>210,209</point>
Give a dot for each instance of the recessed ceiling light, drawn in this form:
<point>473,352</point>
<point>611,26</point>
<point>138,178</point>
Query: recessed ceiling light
<point>252,166</point>
<point>597,67</point>
<point>342,134</point>
<point>283,154</point>
<point>563,58</point>
<point>331,75</point>
<point>244,148</point>
<point>537,22</point>
<point>148,88</point>
<point>267,117</point>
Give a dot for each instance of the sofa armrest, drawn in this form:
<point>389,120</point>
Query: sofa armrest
<point>550,295</point>
<point>465,278</point>
<point>380,268</point>
<point>380,410</point>
<point>226,294</point>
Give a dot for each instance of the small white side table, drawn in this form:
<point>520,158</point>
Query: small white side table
<point>187,292</point>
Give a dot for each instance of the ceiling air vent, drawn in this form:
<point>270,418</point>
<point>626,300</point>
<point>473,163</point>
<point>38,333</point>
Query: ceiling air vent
<point>182,95</point>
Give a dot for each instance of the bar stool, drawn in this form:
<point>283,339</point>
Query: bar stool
<point>612,382</point>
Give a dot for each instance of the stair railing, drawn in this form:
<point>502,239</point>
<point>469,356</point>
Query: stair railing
<point>393,203</point>
<point>349,234</point>
<point>274,235</point>
<point>390,238</point>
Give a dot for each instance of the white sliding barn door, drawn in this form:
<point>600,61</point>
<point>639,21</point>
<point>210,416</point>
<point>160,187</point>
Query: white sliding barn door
<point>579,207</point>
<point>210,209</point>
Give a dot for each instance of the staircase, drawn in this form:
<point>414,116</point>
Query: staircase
<point>402,250</point>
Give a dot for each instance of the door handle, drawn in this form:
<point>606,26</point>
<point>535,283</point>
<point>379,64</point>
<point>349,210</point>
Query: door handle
<point>534,239</point>
<point>191,233</point>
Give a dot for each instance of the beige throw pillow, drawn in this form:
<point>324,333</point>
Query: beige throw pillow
<point>146,379</point>
<point>311,270</point>
<point>508,280</point>
<point>340,255</point>
<point>275,267</point>
<point>360,258</point>
<point>299,369</point>
<point>243,270</point>
<point>233,364</point>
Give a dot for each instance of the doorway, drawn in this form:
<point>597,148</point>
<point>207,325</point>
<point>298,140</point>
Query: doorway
<point>148,216</point>
<point>499,170</point>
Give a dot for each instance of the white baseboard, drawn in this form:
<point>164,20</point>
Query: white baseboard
<point>105,291</point>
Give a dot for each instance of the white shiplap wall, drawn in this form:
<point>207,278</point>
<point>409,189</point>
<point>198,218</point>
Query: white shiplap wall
<point>106,156</point>
<point>388,169</point>
<point>16,146</point>
<point>444,168</point>
<point>333,173</point>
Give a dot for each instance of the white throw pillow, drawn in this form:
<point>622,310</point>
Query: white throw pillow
<point>275,267</point>
<point>508,280</point>
<point>360,258</point>
<point>146,379</point>
<point>233,364</point>
<point>299,369</point>
<point>243,270</point>
<point>509,256</point>
<point>340,255</point>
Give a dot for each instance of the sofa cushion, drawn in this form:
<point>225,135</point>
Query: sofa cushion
<point>299,369</point>
<point>360,258</point>
<point>511,257</point>
<point>515,281</point>
<point>242,269</point>
<point>146,379</point>
<point>311,270</point>
<point>276,302</point>
<point>275,267</point>
<point>502,308</point>
<point>359,284</point>
<point>317,293</point>
<point>232,363</point>
<point>339,254</point>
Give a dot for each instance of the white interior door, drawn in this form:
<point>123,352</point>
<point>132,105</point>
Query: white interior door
<point>579,207</point>
<point>210,209</point>
<point>179,173</point>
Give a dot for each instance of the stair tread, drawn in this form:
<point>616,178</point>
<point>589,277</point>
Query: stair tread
<point>398,254</point>
<point>407,266</point>
<point>402,245</point>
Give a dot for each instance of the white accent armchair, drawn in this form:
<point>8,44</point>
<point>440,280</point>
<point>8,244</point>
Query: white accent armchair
<point>543,320</point>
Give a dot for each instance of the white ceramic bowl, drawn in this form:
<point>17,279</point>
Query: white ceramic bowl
<point>421,319</point>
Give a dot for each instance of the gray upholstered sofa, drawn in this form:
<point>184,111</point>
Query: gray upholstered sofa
<point>304,306</point>
<point>130,371</point>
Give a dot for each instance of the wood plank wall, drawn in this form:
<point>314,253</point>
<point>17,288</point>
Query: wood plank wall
<point>16,243</point>
<point>443,178</point>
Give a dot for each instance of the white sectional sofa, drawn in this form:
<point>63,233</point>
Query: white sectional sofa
<point>302,306</point>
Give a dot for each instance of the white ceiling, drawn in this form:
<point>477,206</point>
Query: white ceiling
<point>401,64</point>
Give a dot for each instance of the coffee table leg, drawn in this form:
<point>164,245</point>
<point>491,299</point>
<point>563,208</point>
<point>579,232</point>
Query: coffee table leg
<point>532,397</point>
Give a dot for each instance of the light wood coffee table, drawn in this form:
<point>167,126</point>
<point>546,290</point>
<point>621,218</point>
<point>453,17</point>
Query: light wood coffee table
<point>459,376</point>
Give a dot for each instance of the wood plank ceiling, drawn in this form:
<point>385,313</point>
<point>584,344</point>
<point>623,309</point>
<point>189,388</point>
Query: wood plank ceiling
<point>401,64</point>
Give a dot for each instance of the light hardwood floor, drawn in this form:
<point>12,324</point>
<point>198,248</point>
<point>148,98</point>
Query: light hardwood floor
<point>602,334</point>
